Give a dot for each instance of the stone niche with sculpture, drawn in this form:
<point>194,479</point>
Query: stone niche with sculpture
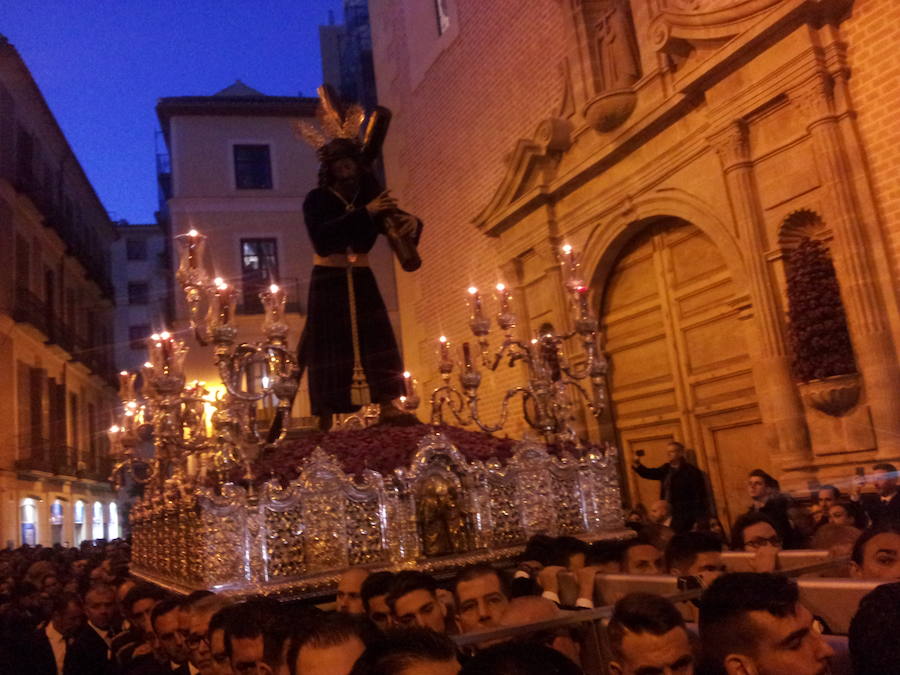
<point>440,511</point>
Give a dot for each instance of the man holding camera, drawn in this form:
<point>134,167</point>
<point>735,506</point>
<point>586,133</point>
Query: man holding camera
<point>682,484</point>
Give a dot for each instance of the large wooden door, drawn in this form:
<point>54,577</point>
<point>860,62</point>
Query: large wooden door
<point>679,367</point>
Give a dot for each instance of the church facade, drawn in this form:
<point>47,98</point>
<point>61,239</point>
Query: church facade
<point>727,170</point>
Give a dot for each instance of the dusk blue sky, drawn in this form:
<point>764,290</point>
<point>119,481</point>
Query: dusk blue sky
<point>102,66</point>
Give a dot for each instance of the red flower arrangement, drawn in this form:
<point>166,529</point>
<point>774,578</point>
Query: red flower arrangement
<point>819,340</point>
<point>381,448</point>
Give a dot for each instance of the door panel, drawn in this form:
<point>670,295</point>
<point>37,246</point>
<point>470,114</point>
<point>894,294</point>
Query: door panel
<point>679,367</point>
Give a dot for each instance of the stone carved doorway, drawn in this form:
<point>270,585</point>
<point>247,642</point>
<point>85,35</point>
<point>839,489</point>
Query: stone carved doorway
<point>679,364</point>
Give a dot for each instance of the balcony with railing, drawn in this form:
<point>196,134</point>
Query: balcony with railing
<point>30,309</point>
<point>45,456</point>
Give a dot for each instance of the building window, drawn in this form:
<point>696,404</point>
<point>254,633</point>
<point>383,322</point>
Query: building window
<point>56,522</point>
<point>137,336</point>
<point>259,268</point>
<point>252,167</point>
<point>29,522</point>
<point>442,13</point>
<point>78,519</point>
<point>138,293</point>
<point>113,521</point>
<point>136,249</point>
<point>97,531</point>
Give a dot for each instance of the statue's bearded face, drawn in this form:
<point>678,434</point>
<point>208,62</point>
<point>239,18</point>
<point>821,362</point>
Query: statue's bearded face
<point>344,169</point>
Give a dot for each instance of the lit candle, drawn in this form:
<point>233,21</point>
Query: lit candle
<point>503,291</point>
<point>222,304</point>
<point>192,257</point>
<point>445,348</point>
<point>475,302</point>
<point>407,384</point>
<point>126,385</point>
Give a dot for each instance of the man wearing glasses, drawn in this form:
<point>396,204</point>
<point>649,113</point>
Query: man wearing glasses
<point>755,533</point>
<point>197,639</point>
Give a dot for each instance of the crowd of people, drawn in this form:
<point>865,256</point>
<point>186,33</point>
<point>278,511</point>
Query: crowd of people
<point>79,611</point>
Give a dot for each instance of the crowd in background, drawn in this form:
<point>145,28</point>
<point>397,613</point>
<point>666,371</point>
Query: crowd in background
<point>67,611</point>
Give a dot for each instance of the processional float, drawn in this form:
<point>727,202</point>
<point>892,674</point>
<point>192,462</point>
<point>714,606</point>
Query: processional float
<point>212,516</point>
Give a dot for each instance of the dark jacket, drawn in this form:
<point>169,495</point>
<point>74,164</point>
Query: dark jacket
<point>88,655</point>
<point>684,489</point>
<point>38,655</point>
<point>879,512</point>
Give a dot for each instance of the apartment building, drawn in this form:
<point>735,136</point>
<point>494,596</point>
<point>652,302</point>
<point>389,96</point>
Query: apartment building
<point>56,329</point>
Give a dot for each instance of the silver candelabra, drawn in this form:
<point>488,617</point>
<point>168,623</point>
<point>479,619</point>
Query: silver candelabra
<point>189,442</point>
<point>547,402</point>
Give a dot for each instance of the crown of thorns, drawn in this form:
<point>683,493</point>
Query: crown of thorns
<point>337,133</point>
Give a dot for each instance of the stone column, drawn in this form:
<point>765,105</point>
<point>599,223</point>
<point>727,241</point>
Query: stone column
<point>869,329</point>
<point>779,400</point>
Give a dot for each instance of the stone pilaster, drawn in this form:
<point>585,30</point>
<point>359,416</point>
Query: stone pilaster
<point>869,329</point>
<point>779,400</point>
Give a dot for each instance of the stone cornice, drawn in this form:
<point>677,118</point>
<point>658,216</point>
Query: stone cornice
<point>519,193</point>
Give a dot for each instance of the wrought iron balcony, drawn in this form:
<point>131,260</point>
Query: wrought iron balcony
<point>47,457</point>
<point>29,308</point>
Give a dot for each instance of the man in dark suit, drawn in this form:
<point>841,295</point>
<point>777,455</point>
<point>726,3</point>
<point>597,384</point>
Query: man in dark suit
<point>46,652</point>
<point>883,508</point>
<point>682,484</point>
<point>90,653</point>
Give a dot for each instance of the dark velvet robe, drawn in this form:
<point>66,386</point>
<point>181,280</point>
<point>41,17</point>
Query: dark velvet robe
<point>326,346</point>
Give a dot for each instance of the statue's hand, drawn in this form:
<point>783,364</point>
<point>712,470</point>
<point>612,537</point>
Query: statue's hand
<point>381,203</point>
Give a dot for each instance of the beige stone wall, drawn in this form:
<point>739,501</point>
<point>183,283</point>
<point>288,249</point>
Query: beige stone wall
<point>737,127</point>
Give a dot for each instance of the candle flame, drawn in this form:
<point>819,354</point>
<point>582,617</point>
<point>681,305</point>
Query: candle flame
<point>131,404</point>
<point>567,249</point>
<point>406,374</point>
<point>129,413</point>
<point>501,287</point>
<point>155,337</point>
<point>219,283</point>
<point>114,428</point>
<point>193,233</point>
<point>402,399</point>
<point>534,341</point>
<point>473,290</point>
<point>443,338</point>
<point>165,335</point>
<point>274,288</point>
<point>147,364</point>
<point>123,372</point>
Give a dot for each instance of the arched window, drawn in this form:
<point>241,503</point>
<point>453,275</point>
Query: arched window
<point>29,521</point>
<point>97,531</point>
<point>57,520</point>
<point>113,520</point>
<point>80,535</point>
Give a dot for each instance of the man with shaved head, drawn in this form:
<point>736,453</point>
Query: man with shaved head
<point>349,591</point>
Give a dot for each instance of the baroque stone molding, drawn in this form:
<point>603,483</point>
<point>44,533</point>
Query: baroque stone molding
<point>529,172</point>
<point>732,145</point>
<point>814,99</point>
<point>703,20</point>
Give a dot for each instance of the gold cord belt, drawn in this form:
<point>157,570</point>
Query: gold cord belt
<point>342,260</point>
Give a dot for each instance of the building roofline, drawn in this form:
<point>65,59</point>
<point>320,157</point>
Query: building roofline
<point>9,50</point>
<point>238,106</point>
